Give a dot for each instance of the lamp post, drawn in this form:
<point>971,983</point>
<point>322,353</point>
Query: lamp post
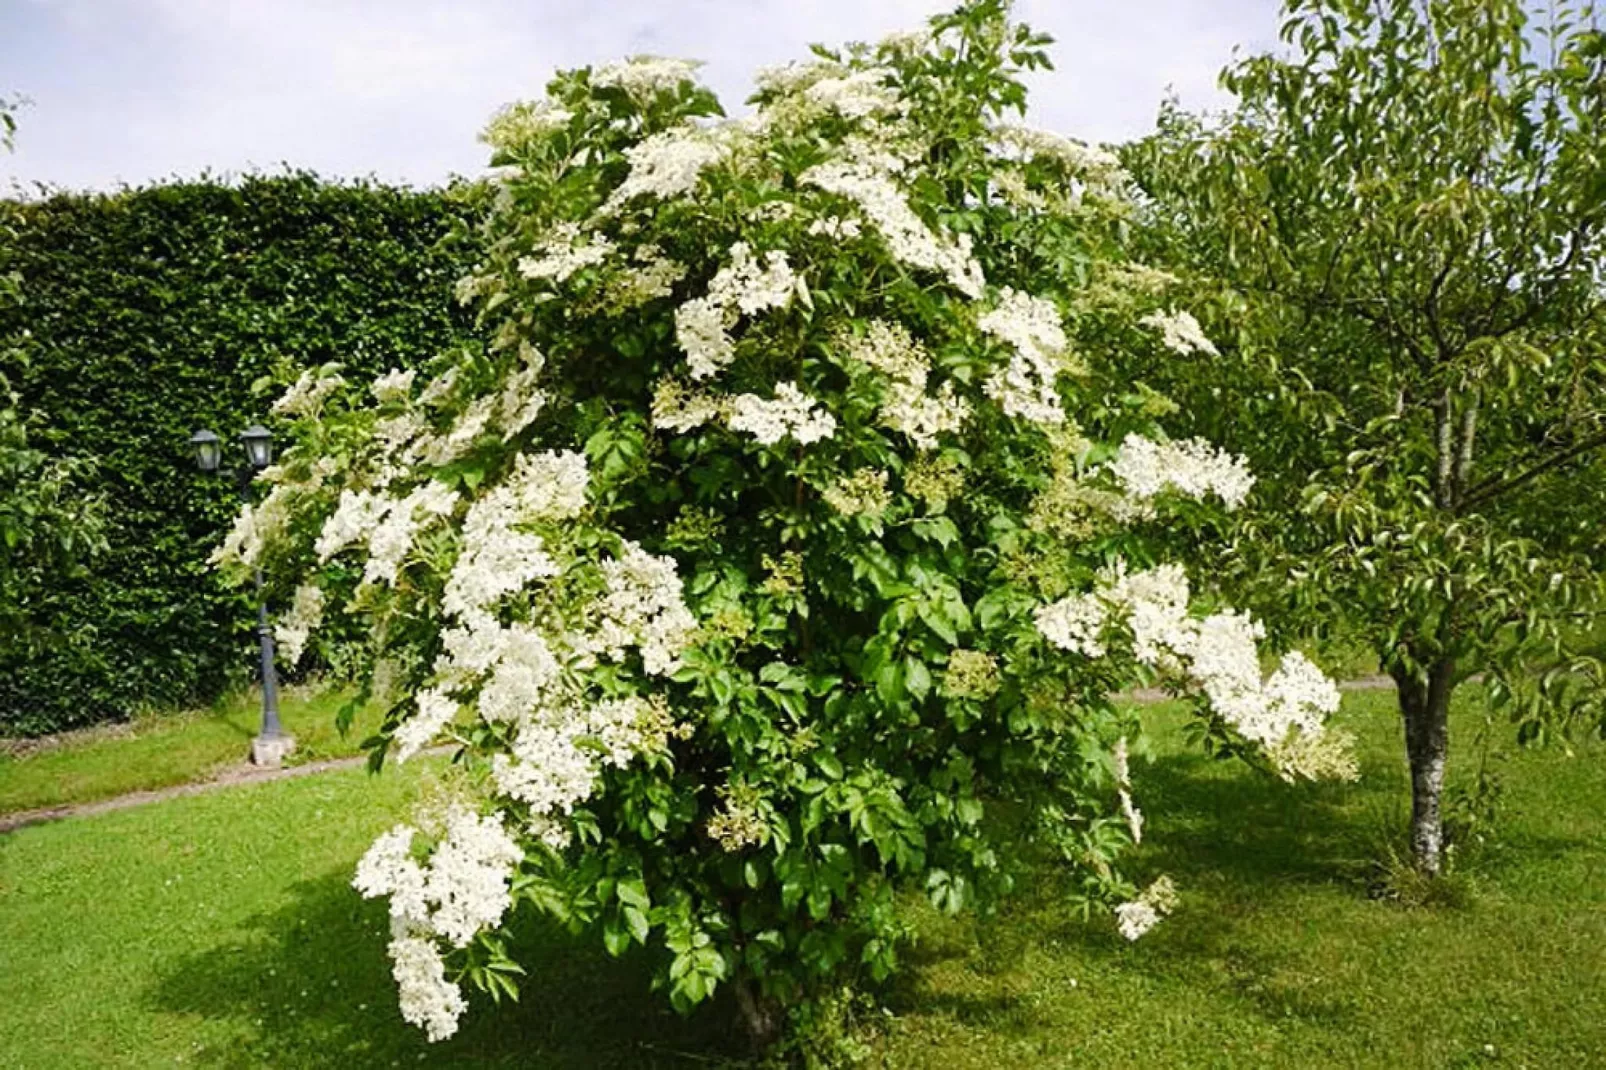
<point>271,743</point>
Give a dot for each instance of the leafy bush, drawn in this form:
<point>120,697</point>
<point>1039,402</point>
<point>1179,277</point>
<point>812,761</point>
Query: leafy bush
<point>783,521</point>
<point>150,313</point>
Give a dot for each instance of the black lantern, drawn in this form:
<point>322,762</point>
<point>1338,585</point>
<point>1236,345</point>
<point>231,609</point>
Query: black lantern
<point>208,450</point>
<point>258,442</point>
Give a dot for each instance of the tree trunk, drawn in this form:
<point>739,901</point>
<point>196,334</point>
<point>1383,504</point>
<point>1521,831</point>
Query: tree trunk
<point>760,1014</point>
<point>1425,709</point>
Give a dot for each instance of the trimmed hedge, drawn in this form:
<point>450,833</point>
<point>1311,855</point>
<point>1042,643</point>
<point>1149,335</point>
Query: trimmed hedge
<point>149,313</point>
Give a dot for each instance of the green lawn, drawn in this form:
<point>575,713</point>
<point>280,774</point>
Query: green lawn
<point>219,930</point>
<point>159,751</point>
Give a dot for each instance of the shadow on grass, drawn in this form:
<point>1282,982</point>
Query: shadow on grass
<point>1235,842</point>
<point>310,987</point>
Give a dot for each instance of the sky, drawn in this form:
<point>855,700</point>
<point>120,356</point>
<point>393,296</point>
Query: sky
<point>134,91</point>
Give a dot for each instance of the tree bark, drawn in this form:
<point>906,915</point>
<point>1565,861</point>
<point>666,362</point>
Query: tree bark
<point>760,1015</point>
<point>1425,709</point>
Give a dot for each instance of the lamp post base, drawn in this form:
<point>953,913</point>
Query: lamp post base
<point>270,751</point>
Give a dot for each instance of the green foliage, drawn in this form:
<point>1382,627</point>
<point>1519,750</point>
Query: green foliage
<point>148,314</point>
<point>1400,227</point>
<point>49,528</point>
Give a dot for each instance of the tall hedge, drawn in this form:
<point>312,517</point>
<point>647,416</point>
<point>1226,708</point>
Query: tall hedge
<point>151,312</point>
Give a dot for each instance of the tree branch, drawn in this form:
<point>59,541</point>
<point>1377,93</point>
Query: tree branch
<point>1492,489</point>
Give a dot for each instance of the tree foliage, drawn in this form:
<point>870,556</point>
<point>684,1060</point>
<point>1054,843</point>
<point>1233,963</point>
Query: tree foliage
<point>1402,222</point>
<point>790,514</point>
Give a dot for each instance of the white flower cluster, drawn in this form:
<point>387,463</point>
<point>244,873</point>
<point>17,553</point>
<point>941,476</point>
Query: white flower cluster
<point>1096,169</point>
<point>308,394</point>
<point>462,890</point>
<point>643,77</point>
<point>563,252</point>
<point>907,408</point>
<point>521,400</point>
<point>254,528</point>
<point>1143,913</point>
<point>860,94</point>
<point>517,125</point>
<point>497,557</point>
<point>643,608</point>
<point>355,515</point>
<point>1284,714</point>
<point>294,628</point>
<point>394,385</point>
<point>790,413</point>
<point>1025,387</point>
<point>392,535</point>
<point>556,758</point>
<point>667,165</point>
<point>744,287</point>
<point>1146,468</point>
<point>1180,332</point>
<point>909,240</point>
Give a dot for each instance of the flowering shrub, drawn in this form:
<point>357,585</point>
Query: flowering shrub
<point>769,537</point>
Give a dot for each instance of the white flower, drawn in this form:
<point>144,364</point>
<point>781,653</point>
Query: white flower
<point>1284,714</point>
<point>666,165</point>
<point>909,240</point>
<point>428,1000</point>
<point>255,528</point>
<point>1194,468</point>
<point>744,287</point>
<point>645,76</point>
<point>436,710</point>
<point>1074,623</point>
<point>354,518</point>
<point>858,95</point>
<point>700,329</point>
<point>469,876</point>
<point>1136,918</point>
<point>526,674</point>
<point>651,275</point>
<point>1181,332</point>
<point>1144,913</point>
<point>516,125</point>
<point>643,607</point>
<point>296,626</point>
<point>394,385</point>
<point>1094,169</point>
<point>790,413</point>
<point>307,396</point>
<point>392,537</point>
<point>563,252</point>
<point>1025,387</point>
<point>1123,786</point>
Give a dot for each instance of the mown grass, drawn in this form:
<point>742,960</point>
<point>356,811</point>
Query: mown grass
<point>158,751</point>
<point>220,931</point>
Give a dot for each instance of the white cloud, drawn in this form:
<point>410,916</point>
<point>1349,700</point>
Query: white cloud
<point>133,90</point>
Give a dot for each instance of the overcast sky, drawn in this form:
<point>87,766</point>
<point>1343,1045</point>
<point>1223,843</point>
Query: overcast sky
<point>127,91</point>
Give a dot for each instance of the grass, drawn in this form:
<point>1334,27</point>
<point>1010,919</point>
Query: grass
<point>219,930</point>
<point>159,751</point>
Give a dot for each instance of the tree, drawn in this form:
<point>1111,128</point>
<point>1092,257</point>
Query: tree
<point>1402,221</point>
<point>755,551</point>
